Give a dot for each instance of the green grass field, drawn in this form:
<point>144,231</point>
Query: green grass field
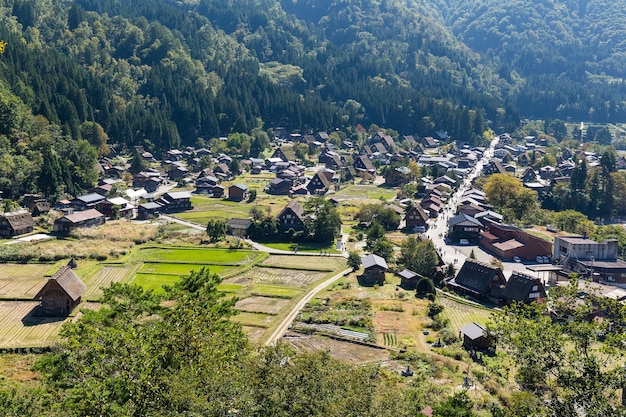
<point>180,269</point>
<point>154,282</point>
<point>361,191</point>
<point>254,319</point>
<point>275,291</point>
<point>198,256</point>
<point>304,247</point>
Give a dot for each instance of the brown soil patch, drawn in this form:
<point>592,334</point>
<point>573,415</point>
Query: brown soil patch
<point>342,350</point>
<point>265,305</point>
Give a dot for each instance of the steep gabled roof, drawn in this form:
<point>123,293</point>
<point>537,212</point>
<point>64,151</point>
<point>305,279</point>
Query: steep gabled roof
<point>372,260</point>
<point>68,281</point>
<point>295,207</point>
<point>478,276</point>
<point>19,219</point>
<point>519,286</point>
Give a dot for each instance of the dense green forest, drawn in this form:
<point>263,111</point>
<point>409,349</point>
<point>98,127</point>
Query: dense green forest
<point>161,73</point>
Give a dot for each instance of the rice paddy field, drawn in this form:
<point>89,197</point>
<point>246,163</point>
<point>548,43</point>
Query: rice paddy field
<point>266,286</point>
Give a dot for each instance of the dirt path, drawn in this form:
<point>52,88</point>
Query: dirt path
<point>284,325</point>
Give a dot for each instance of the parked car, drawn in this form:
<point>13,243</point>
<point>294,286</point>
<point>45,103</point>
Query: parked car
<point>539,259</point>
<point>516,259</point>
<point>464,242</point>
<point>419,229</point>
<point>546,260</point>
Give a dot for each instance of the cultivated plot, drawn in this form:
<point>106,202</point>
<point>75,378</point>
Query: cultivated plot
<point>18,328</point>
<point>22,281</point>
<point>277,276</point>
<point>313,263</point>
<point>264,305</point>
<point>462,314</point>
<point>103,278</point>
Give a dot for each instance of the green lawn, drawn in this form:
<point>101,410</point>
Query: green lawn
<point>371,192</point>
<point>180,269</point>
<point>275,291</point>
<point>199,256</point>
<point>154,282</point>
<point>304,247</point>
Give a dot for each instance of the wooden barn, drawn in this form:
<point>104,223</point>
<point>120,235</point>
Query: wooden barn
<point>375,269</point>
<point>475,337</point>
<point>61,294</point>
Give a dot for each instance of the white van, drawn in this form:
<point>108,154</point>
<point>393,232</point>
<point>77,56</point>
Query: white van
<point>463,242</point>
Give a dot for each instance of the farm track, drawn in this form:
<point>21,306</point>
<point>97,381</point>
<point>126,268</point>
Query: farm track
<point>284,325</point>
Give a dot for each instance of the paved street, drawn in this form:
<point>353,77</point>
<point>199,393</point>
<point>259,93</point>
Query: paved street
<point>439,226</point>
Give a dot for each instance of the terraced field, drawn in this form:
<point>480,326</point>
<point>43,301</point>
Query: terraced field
<point>462,314</point>
<point>198,256</point>
<point>104,277</point>
<point>312,263</point>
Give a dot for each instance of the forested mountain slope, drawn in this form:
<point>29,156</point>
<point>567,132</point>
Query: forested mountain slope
<point>161,73</point>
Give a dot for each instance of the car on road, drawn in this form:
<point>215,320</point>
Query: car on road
<point>419,229</point>
<point>463,242</point>
<point>516,259</point>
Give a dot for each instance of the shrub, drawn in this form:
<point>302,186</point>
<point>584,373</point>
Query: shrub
<point>434,309</point>
<point>448,336</point>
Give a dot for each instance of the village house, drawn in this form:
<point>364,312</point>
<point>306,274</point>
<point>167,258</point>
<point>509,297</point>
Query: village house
<point>88,201</point>
<point>124,208</point>
<point>463,226</point>
<point>175,201</point>
<point>16,223</point>
<point>364,166</point>
<point>61,293</point>
<point>291,217</point>
<point>476,279</point>
<point>409,279</point>
<point>238,227</point>
<point>520,288</point>
<point>205,185</point>
<point>416,217</point>
<point>475,336</point>
<point>237,192</point>
<point>396,177</point>
<point>375,268</point>
<point>87,218</point>
<point>148,210</point>
<point>285,153</point>
<point>320,183</point>
<point>279,186</point>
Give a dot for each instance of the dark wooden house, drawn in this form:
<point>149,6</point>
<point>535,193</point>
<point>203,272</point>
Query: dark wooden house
<point>291,217</point>
<point>175,201</point>
<point>87,218</point>
<point>375,268</point>
<point>319,184</point>
<point>521,288</point>
<point>149,210</point>
<point>61,293</point>
<point>476,337</point>
<point>16,223</point>
<point>477,279</point>
<point>409,279</point>
<point>416,217</point>
<point>238,192</point>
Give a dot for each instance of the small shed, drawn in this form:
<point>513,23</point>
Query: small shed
<point>409,279</point>
<point>475,336</point>
<point>375,269</point>
<point>61,294</point>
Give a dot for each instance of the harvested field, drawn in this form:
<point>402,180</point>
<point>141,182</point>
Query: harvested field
<point>344,351</point>
<point>255,334</point>
<point>104,277</point>
<point>289,277</point>
<point>275,291</point>
<point>264,305</point>
<point>319,263</point>
<point>18,329</point>
<point>22,281</point>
